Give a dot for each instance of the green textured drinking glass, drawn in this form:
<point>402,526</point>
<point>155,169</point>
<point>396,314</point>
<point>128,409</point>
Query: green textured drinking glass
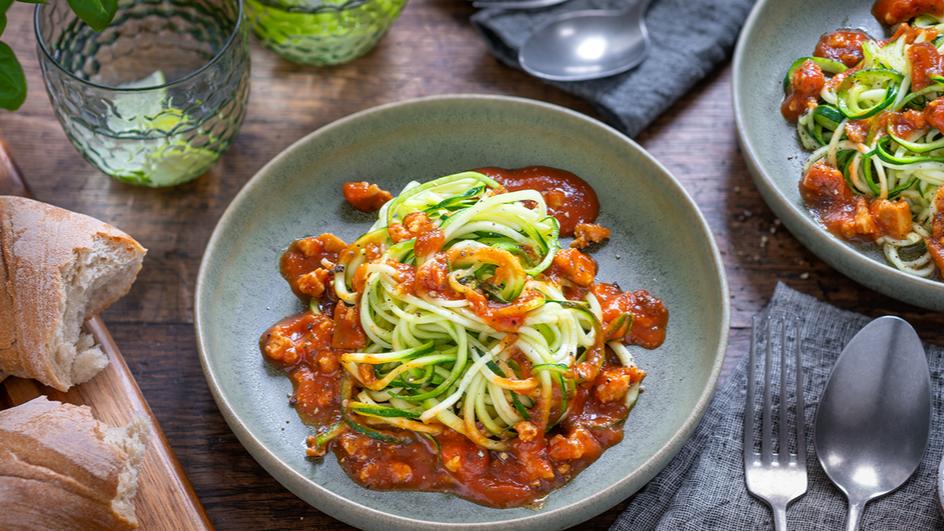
<point>155,98</point>
<point>321,32</point>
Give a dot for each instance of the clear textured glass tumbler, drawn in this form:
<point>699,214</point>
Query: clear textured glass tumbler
<point>156,97</point>
<point>321,32</point>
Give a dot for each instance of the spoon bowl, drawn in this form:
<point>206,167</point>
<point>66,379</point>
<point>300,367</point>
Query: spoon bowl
<point>586,45</point>
<point>873,422</point>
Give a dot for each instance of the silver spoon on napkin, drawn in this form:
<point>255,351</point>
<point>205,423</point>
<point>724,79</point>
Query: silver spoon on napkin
<point>512,4</point>
<point>874,419</point>
<point>584,45</point>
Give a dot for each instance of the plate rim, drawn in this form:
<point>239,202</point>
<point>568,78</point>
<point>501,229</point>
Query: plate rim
<point>364,515</point>
<point>862,269</point>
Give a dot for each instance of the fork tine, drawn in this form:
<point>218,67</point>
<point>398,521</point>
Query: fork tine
<point>800,404</point>
<point>749,404</point>
<point>766,440</point>
<point>782,428</point>
<point>781,477</point>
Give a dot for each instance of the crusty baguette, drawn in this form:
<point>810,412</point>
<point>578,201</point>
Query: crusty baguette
<point>57,269</point>
<point>62,469</point>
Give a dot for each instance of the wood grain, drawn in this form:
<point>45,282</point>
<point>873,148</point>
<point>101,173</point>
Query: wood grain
<point>432,49</point>
<point>165,499</point>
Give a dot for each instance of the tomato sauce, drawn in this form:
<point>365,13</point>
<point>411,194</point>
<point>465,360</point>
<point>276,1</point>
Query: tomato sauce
<point>649,315</point>
<point>448,462</point>
<point>936,249</point>
<point>911,34</point>
<point>348,334</point>
<point>504,317</point>
<point>365,196</point>
<point>843,45</point>
<point>903,124</point>
<point>429,243</point>
<point>847,215</point>
<point>304,257</point>
<point>934,114</point>
<point>301,344</point>
<point>805,85</point>
<point>891,12</point>
<point>545,454</point>
<point>925,61</point>
<point>573,266</point>
<point>569,198</point>
<point>935,242</point>
<point>824,190</point>
<point>858,130</point>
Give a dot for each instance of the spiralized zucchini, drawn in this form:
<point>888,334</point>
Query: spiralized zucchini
<point>433,361</point>
<point>882,165</point>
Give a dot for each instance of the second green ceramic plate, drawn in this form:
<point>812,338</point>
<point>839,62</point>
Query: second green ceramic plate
<point>660,242</point>
<point>777,32</point>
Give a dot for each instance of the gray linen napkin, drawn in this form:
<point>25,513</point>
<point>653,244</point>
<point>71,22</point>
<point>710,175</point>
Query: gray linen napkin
<point>690,39</point>
<point>703,488</point>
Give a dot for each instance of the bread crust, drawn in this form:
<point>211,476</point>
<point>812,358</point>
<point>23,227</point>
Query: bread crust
<point>38,244</point>
<point>59,469</point>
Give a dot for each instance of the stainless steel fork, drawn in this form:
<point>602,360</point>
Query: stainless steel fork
<point>778,477</point>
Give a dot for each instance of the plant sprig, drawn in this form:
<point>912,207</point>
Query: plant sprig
<point>98,14</point>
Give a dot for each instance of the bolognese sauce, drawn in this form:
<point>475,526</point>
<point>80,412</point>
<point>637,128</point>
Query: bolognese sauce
<point>558,434</point>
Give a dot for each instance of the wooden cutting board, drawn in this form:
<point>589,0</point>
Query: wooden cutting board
<point>165,499</point>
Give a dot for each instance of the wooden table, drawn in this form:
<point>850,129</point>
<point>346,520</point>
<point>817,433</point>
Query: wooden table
<point>432,49</point>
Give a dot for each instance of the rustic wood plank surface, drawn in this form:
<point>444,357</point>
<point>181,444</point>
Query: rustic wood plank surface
<point>432,49</point>
<point>115,398</point>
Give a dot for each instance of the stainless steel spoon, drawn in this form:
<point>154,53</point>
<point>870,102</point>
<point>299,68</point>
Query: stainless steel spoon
<point>511,5</point>
<point>587,44</point>
<point>873,421</point>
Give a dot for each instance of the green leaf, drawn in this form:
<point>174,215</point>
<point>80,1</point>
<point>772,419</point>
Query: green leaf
<point>3,22</point>
<point>12,80</point>
<point>96,13</point>
<point>4,5</point>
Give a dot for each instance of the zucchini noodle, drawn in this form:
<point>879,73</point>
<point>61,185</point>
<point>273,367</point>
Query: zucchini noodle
<point>876,162</point>
<point>434,360</point>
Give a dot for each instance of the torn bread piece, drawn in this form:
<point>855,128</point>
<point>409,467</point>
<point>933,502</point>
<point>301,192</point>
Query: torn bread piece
<point>62,469</point>
<point>57,269</point>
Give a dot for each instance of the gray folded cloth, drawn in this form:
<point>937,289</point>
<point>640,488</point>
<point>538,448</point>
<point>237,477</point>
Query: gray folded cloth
<point>690,39</point>
<point>703,487</point>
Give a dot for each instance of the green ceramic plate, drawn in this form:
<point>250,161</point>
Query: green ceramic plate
<point>777,32</point>
<point>660,242</point>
